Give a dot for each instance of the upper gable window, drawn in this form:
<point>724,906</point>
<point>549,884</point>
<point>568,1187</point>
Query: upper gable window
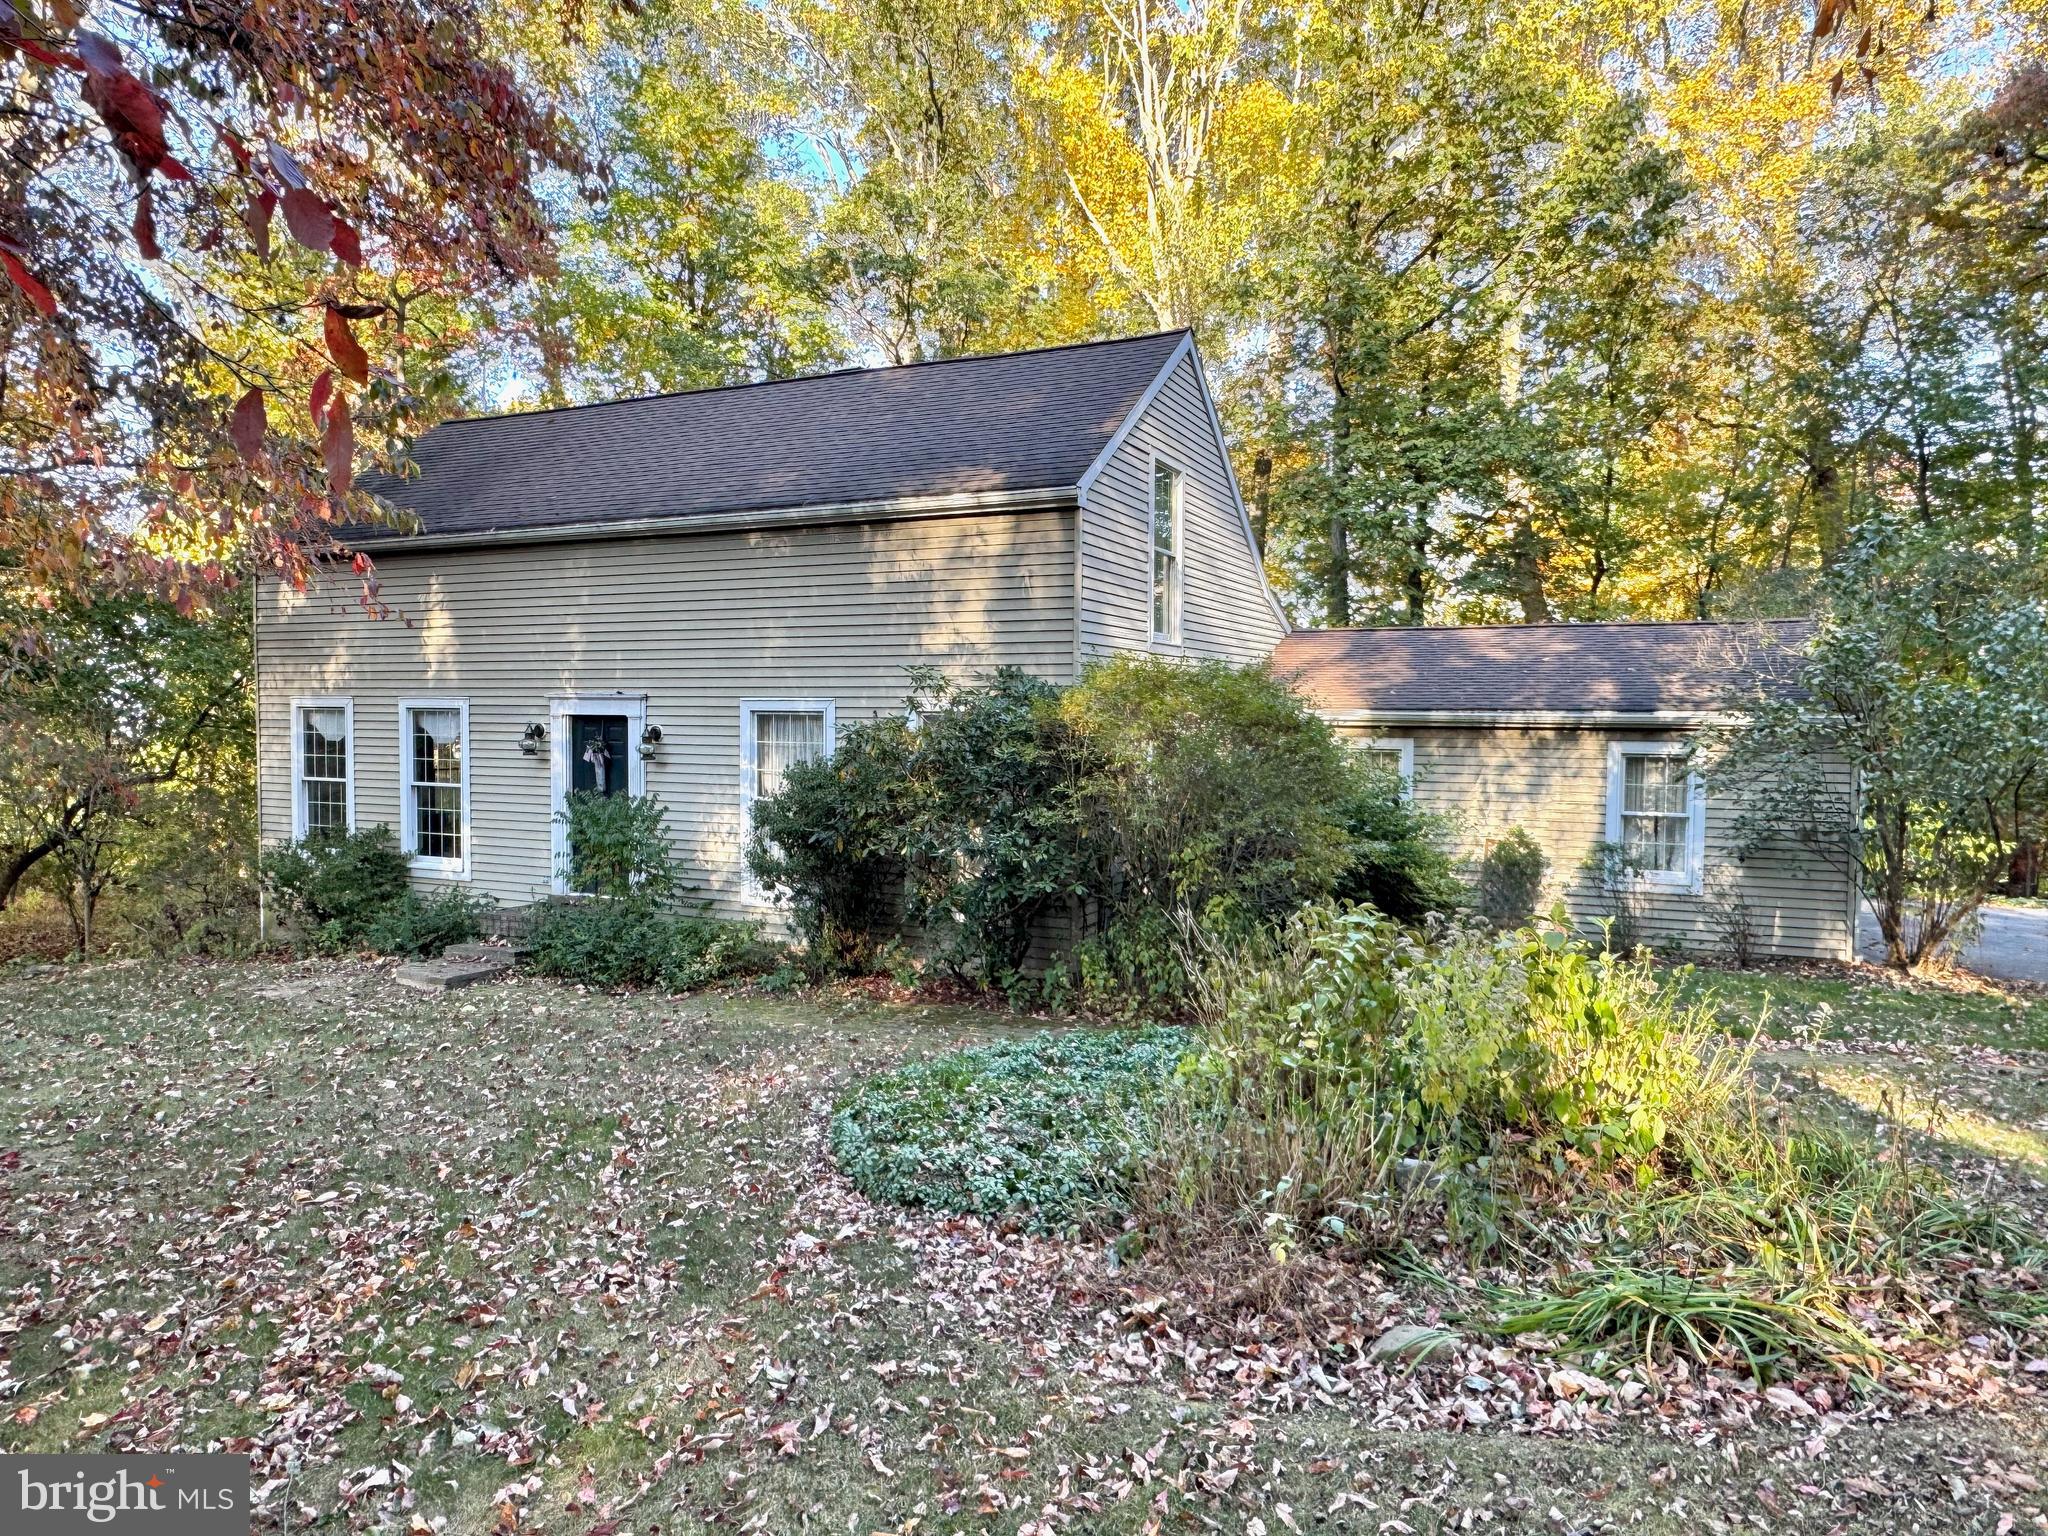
<point>1166,573</point>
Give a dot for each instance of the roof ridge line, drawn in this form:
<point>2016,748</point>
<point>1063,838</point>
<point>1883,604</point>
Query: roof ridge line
<point>801,378</point>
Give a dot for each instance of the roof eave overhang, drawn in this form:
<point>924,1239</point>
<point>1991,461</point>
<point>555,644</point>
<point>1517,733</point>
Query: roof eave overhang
<point>1553,719</point>
<point>962,504</point>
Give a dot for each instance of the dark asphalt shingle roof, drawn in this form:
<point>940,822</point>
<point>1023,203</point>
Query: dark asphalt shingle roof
<point>1572,668</point>
<point>1018,421</point>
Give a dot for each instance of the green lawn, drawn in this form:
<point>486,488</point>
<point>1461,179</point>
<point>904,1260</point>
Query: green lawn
<point>531,1257</point>
<point>1867,1006</point>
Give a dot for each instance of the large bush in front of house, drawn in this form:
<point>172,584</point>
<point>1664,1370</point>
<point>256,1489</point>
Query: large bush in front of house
<point>1400,854</point>
<point>955,819</point>
<point>349,890</point>
<point>1510,879</point>
<point>1109,815</point>
<point>826,845</point>
<point>631,926</point>
<point>619,847</point>
<point>331,886</point>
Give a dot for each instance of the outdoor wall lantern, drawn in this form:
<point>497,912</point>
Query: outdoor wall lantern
<point>650,738</point>
<point>533,738</point>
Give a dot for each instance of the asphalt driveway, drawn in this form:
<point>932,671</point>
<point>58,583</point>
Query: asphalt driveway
<point>2013,945</point>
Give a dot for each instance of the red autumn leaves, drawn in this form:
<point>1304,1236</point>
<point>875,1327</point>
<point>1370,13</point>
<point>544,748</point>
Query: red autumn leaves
<point>313,224</point>
<point>137,118</point>
<point>327,405</point>
<point>308,215</point>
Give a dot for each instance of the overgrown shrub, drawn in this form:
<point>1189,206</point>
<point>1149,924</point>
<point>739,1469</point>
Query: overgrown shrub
<point>1204,785</point>
<point>827,844</point>
<point>630,929</point>
<point>1149,789</point>
<point>609,942</point>
<point>331,886</point>
<point>188,885</point>
<point>1510,879</point>
<point>419,925</point>
<point>618,846</point>
<point>1400,858</point>
<point>1349,1044</point>
<point>1134,967</point>
<point>1617,874</point>
<point>1048,1127</point>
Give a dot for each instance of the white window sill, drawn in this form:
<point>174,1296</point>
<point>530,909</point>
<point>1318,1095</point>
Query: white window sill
<point>1659,881</point>
<point>437,869</point>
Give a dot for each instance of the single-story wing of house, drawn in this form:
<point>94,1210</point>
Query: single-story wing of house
<point>1578,735</point>
<point>682,595</point>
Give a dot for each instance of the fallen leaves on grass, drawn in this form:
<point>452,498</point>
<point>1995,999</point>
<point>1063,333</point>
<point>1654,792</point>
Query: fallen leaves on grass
<point>533,1259</point>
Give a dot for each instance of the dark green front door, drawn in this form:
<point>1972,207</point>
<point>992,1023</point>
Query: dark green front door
<point>597,764</point>
<point>597,754</point>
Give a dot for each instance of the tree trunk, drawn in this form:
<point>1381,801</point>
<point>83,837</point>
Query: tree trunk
<point>1528,575</point>
<point>1416,579</point>
<point>16,866</point>
<point>1337,591</point>
<point>1262,499</point>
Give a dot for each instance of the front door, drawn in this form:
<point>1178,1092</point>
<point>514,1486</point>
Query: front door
<point>597,765</point>
<point>597,754</point>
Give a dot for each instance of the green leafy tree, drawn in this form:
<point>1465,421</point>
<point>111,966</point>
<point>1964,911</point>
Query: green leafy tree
<point>1915,749</point>
<point>697,266</point>
<point>124,712</point>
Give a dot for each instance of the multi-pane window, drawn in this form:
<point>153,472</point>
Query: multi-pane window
<point>434,741</point>
<point>1165,552</point>
<point>776,735</point>
<point>322,748</point>
<point>1654,812</point>
<point>782,739</point>
<point>1392,754</point>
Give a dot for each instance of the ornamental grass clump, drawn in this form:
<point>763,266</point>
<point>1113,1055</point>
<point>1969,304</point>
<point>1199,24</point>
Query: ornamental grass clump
<point>1651,1315</point>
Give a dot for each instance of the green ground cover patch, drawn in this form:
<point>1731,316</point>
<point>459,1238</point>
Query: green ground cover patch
<point>1046,1127</point>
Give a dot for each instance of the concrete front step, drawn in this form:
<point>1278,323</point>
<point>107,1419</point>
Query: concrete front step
<point>455,969</point>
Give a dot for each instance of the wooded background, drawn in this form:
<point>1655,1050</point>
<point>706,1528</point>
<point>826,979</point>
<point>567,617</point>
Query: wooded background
<point>1516,311</point>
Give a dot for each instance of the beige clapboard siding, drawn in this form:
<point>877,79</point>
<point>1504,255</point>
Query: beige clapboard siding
<point>696,622</point>
<point>1225,611</point>
<point>1553,783</point>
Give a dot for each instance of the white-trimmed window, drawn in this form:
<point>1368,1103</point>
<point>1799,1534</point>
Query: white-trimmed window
<point>1394,754</point>
<point>323,766</point>
<point>1656,812</point>
<point>776,735</point>
<point>433,781</point>
<point>1166,571</point>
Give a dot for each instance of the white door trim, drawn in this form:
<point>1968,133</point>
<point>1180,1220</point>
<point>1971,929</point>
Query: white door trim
<point>561,772</point>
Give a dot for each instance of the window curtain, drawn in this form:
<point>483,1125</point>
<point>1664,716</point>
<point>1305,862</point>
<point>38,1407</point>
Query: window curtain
<point>330,725</point>
<point>1656,811</point>
<point>782,740</point>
